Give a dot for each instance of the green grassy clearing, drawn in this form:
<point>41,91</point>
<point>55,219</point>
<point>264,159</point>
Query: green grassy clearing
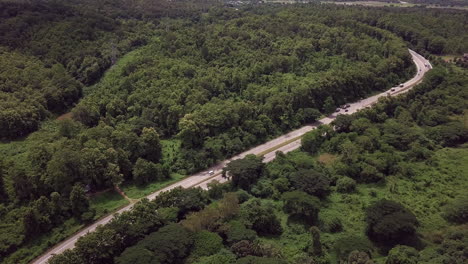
<point>137,192</point>
<point>432,187</point>
<point>107,202</point>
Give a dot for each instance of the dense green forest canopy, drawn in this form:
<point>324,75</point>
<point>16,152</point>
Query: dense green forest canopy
<point>394,166</point>
<point>213,82</point>
<point>82,37</point>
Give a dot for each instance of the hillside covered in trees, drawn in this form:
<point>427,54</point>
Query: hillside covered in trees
<point>386,186</point>
<point>157,89</point>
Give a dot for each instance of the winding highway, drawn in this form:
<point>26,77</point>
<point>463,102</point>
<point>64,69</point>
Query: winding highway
<point>285,143</point>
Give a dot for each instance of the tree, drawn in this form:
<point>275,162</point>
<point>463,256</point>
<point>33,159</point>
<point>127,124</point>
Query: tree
<point>311,182</point>
<point>3,195</point>
<point>150,145</point>
<point>206,243</point>
<point>313,140</point>
<point>68,128</point>
<point>136,255</point>
<point>99,246</point>
<point>457,211</point>
<point>224,256</point>
<point>311,115</point>
<point>146,171</point>
<point>389,223</point>
<point>170,244</point>
<point>359,257</point>
<point>343,123</point>
<point>78,200</point>
<point>402,255</point>
<point>63,170</point>
<point>261,217</point>
<point>345,185</point>
<point>316,247</point>
<point>30,222</point>
<point>346,244</point>
<point>244,172</point>
<point>329,105</point>
<point>300,204</point>
<point>186,200</point>
<point>244,248</point>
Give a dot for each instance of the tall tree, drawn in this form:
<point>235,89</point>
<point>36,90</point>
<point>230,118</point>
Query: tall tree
<point>78,200</point>
<point>244,172</point>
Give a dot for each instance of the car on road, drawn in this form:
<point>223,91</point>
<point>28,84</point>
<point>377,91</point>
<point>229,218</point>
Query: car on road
<point>337,110</point>
<point>346,110</point>
<point>211,172</point>
<point>393,89</point>
<point>401,85</point>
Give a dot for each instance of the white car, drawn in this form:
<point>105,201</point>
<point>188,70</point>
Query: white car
<point>211,172</point>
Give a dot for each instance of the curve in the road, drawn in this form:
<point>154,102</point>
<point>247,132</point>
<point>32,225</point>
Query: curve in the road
<point>203,178</point>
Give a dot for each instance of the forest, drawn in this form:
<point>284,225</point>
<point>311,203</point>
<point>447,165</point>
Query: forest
<point>386,186</point>
<point>159,91</point>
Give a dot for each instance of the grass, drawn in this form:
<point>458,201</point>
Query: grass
<point>137,192</point>
<point>327,158</point>
<point>278,146</point>
<point>433,186</point>
<point>107,202</point>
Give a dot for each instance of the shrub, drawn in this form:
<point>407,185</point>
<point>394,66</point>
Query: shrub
<point>302,205</point>
<point>389,223</point>
<point>311,182</point>
<point>206,243</point>
<point>349,243</point>
<point>259,260</point>
<point>224,256</point>
<point>243,196</point>
<point>261,217</point>
<point>345,185</point>
<point>236,231</point>
<point>403,255</point>
<point>333,224</point>
<point>358,257</point>
<point>457,212</point>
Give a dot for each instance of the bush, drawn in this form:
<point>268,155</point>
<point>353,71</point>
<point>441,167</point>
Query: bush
<point>206,243</point>
<point>311,182</point>
<point>302,205</point>
<point>236,231</point>
<point>457,212</point>
<point>259,260</point>
<point>349,243</point>
<point>333,224</point>
<point>403,255</point>
<point>261,217</point>
<point>243,196</point>
<point>389,223</point>
<point>358,257</point>
<point>224,256</point>
<point>345,185</point>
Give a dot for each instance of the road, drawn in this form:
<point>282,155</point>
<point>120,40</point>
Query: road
<point>285,143</point>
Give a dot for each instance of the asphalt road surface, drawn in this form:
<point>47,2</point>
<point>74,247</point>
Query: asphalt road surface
<point>285,143</point>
